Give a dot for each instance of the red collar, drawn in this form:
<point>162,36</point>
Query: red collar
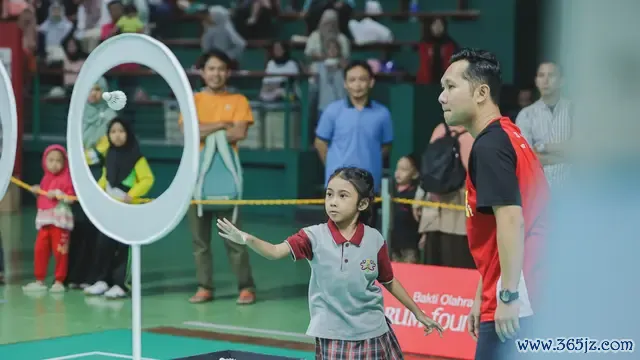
<point>500,119</point>
<point>356,239</point>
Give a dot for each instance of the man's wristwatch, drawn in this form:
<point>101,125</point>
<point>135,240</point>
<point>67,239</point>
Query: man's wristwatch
<point>539,148</point>
<point>507,296</point>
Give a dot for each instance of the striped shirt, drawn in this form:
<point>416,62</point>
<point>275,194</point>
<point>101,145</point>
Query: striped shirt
<point>540,124</point>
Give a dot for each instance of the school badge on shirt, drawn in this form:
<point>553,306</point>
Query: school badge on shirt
<point>368,265</point>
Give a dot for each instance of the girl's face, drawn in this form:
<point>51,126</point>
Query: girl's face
<point>72,47</point>
<point>95,95</point>
<point>405,172</point>
<point>278,51</point>
<point>117,134</point>
<point>341,201</point>
<point>54,161</point>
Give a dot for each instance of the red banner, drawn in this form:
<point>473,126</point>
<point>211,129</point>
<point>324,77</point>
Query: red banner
<point>446,295</point>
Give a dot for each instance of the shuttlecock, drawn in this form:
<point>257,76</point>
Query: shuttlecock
<point>115,99</point>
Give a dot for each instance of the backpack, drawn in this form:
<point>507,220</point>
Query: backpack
<point>220,174</point>
<point>442,170</point>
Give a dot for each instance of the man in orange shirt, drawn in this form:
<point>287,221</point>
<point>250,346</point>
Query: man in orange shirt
<point>219,110</point>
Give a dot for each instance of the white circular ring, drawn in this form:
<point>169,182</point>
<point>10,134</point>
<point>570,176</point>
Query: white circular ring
<point>9,120</point>
<point>143,223</point>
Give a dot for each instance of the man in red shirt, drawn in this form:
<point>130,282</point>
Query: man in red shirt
<point>506,196</point>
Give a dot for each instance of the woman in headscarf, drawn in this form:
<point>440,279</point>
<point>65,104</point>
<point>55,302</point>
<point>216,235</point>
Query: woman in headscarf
<point>97,116</point>
<point>327,31</point>
<point>221,34</point>
<point>435,50</point>
<point>313,10</point>
<point>281,63</point>
<point>55,29</point>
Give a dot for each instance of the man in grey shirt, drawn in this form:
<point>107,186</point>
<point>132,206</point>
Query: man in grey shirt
<point>546,124</point>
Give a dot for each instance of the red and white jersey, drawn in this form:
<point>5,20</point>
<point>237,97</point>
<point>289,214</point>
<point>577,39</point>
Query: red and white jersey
<point>504,170</point>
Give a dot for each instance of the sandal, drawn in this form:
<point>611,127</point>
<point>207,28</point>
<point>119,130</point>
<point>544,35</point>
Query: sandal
<point>201,296</point>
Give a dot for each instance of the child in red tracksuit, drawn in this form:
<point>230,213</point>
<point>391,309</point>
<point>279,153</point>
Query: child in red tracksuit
<point>54,220</point>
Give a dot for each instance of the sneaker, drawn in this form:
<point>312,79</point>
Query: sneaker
<point>35,286</point>
<point>116,292</point>
<point>246,297</point>
<point>73,286</point>
<point>201,296</point>
<point>83,286</point>
<point>98,288</point>
<point>57,288</point>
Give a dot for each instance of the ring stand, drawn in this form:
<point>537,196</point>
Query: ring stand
<point>134,225</point>
<point>9,120</point>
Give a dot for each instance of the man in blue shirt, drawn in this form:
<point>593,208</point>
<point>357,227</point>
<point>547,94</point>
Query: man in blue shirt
<point>355,131</point>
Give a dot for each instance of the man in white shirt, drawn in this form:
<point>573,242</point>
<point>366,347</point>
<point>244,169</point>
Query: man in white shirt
<point>546,124</point>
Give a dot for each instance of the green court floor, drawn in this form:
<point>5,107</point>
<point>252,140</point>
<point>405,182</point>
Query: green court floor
<point>116,344</point>
<point>168,281</point>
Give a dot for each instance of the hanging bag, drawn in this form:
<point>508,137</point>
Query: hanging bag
<point>441,165</point>
<point>220,174</point>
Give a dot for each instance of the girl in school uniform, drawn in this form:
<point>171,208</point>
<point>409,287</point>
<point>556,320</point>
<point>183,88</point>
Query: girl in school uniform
<point>126,176</point>
<point>54,219</point>
<point>346,258</point>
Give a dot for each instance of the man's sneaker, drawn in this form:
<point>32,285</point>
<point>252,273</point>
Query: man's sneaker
<point>98,288</point>
<point>116,292</point>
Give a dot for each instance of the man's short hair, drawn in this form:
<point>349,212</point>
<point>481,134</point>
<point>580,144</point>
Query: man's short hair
<point>359,63</point>
<point>484,68</point>
<point>554,63</point>
<point>213,53</point>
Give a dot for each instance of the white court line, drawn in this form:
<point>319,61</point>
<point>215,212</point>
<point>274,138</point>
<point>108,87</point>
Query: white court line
<point>74,356</point>
<point>207,325</point>
<point>119,356</point>
<point>94,353</point>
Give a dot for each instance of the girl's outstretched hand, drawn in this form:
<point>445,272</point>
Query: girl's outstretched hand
<point>430,324</point>
<point>229,231</point>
